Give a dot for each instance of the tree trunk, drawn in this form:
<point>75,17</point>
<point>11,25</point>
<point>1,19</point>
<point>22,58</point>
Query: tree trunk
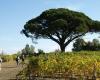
<point>62,47</point>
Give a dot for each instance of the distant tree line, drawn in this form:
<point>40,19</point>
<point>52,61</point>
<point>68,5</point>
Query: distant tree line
<point>80,45</point>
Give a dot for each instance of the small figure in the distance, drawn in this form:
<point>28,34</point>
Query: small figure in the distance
<point>0,63</point>
<point>17,60</point>
<point>23,60</point>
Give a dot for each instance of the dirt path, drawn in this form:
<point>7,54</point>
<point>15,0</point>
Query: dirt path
<point>9,70</point>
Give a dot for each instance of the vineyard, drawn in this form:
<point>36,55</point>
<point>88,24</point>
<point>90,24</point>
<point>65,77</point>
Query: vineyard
<point>61,65</point>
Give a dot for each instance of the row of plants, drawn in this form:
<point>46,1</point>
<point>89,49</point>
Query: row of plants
<point>7,58</point>
<point>85,64</point>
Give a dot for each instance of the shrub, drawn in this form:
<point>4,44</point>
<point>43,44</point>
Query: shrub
<point>80,63</point>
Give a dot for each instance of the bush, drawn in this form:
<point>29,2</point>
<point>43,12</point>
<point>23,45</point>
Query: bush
<point>81,63</point>
<point>7,58</point>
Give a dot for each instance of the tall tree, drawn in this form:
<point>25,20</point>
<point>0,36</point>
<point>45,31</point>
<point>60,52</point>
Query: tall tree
<point>60,25</point>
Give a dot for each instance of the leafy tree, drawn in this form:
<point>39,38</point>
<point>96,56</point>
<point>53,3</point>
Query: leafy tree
<point>28,50</point>
<point>79,45</point>
<point>60,25</point>
<point>96,44</point>
<point>24,52</point>
<point>32,50</point>
<point>40,51</point>
<point>89,46</point>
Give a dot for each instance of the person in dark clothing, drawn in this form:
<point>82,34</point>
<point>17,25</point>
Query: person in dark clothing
<point>17,60</point>
<point>23,60</point>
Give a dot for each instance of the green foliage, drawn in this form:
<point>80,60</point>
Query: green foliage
<point>66,64</point>
<point>60,25</point>
<point>7,58</point>
<point>28,50</point>
<point>80,45</point>
<point>40,51</point>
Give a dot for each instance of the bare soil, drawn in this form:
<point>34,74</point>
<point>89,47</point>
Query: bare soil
<point>9,70</point>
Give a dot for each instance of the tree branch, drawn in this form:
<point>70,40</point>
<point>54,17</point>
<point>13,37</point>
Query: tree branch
<point>71,39</point>
<point>54,39</point>
<point>58,35</point>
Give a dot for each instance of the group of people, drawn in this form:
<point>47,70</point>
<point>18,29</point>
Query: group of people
<point>22,58</point>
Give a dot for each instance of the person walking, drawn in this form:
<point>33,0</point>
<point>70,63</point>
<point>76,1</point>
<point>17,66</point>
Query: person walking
<point>17,60</point>
<point>23,60</point>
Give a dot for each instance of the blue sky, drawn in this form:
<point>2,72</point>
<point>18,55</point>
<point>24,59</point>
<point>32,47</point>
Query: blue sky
<point>15,13</point>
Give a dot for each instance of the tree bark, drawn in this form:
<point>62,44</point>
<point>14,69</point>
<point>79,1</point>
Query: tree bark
<point>62,47</point>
